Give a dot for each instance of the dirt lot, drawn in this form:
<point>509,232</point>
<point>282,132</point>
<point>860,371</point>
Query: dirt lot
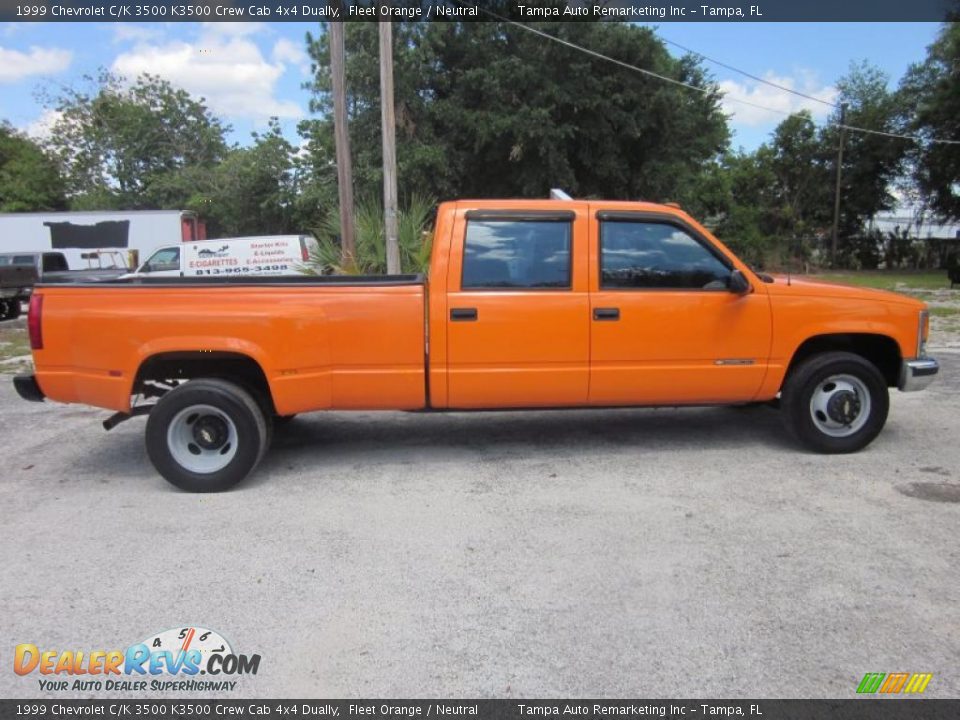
<point>644,553</point>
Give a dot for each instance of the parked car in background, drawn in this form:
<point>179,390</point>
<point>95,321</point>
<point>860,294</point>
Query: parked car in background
<point>52,266</point>
<point>239,256</point>
<point>16,281</point>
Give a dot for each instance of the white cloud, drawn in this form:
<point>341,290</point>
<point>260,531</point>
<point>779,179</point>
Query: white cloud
<point>779,100</point>
<point>11,28</point>
<point>42,127</point>
<point>232,29</point>
<point>16,65</point>
<point>287,51</point>
<point>223,66</point>
<point>128,32</point>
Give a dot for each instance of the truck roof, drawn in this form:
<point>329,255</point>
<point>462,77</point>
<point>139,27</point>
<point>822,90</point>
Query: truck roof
<point>550,204</point>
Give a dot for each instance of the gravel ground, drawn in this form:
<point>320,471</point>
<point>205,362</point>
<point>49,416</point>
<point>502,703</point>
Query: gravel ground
<point>643,553</point>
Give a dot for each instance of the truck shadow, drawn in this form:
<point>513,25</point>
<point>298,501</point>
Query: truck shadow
<point>324,441</point>
<point>397,437</point>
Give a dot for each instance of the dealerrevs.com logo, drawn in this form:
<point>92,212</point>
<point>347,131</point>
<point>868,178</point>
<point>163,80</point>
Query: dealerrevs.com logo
<point>172,660</point>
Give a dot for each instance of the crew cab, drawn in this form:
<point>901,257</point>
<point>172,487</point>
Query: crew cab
<point>530,304</point>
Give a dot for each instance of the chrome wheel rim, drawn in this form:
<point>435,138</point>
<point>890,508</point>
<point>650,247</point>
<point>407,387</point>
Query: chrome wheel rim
<point>840,405</point>
<point>202,439</point>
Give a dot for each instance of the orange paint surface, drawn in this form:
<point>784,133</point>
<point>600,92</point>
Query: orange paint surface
<point>365,347</point>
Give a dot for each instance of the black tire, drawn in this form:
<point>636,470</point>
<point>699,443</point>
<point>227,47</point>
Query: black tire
<point>9,309</point>
<point>232,403</point>
<point>809,377</point>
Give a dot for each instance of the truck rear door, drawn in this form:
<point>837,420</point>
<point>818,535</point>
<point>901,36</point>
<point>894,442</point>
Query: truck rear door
<point>518,308</point>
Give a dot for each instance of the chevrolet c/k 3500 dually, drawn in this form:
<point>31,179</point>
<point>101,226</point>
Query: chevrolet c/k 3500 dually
<point>530,304</point>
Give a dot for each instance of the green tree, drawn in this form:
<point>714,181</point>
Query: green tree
<point>121,146</point>
<point>253,190</point>
<point>779,195</point>
<point>413,223</point>
<point>871,162</point>
<point>931,88</point>
<point>489,109</point>
<point>29,180</point>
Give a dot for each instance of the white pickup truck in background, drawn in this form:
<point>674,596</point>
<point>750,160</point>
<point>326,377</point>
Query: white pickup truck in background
<point>260,255</point>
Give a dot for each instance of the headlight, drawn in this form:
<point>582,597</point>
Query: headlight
<point>923,332</point>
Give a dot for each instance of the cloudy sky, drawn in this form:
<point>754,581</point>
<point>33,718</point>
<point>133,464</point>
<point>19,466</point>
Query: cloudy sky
<point>251,71</point>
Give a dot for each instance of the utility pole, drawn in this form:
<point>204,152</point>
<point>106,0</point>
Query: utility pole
<point>388,124</point>
<point>348,245</point>
<point>836,197</point>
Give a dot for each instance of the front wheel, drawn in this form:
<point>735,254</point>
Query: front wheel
<point>206,435</point>
<point>835,402</point>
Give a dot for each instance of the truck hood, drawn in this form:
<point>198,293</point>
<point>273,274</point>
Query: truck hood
<point>804,287</point>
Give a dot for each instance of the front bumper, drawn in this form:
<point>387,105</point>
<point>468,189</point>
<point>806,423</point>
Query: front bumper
<point>917,374</point>
<point>27,388</point>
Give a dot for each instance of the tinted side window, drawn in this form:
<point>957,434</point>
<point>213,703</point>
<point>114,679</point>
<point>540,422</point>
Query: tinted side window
<point>54,263</point>
<point>165,259</point>
<point>656,255</point>
<point>517,254</point>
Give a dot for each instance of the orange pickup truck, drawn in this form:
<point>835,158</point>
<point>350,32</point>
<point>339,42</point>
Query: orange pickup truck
<point>530,304</point>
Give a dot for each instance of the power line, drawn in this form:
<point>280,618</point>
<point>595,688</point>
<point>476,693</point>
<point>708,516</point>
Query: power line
<point>628,66</point>
<point>703,91</point>
<point>851,128</point>
<point>750,75</point>
<point>898,136</point>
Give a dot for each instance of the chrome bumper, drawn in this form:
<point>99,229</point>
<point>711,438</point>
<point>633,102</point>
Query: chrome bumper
<point>917,374</point>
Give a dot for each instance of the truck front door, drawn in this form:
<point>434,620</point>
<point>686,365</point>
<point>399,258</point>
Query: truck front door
<point>518,309</point>
<point>666,326</point>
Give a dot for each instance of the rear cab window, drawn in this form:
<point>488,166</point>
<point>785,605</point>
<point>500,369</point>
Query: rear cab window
<point>54,262</point>
<point>517,251</point>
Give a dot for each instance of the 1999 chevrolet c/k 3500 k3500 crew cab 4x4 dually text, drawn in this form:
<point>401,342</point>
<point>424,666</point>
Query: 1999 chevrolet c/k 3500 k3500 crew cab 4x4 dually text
<point>530,304</point>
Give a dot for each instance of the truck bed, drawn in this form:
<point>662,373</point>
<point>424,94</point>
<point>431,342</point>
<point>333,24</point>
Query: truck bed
<point>253,281</point>
<point>331,342</point>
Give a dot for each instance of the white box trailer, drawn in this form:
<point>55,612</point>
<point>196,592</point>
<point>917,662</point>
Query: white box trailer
<point>131,234</point>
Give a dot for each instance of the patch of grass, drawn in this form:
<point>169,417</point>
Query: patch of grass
<point>944,312</point>
<point>897,280</point>
<point>13,343</point>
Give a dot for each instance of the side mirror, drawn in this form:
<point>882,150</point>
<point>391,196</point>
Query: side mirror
<point>739,283</point>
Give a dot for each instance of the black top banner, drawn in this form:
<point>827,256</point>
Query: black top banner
<point>480,11</point>
<point>519,709</point>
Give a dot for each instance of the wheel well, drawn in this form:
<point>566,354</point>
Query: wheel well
<point>181,366</point>
<point>880,350</point>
